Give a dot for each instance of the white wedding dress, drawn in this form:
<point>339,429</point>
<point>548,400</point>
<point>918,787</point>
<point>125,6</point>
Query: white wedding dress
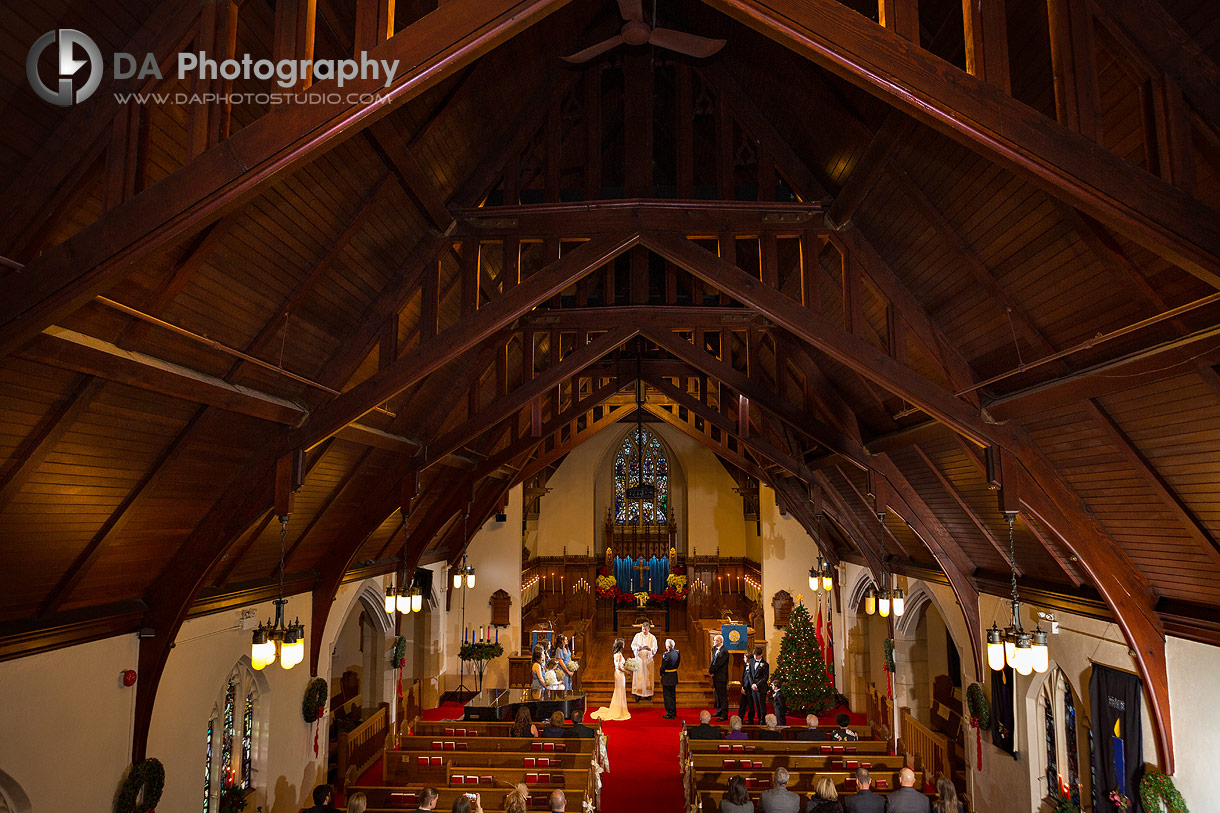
<point>618,703</point>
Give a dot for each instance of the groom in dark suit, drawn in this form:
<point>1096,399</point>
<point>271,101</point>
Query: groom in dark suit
<point>759,676</point>
<point>719,670</point>
<point>669,679</point>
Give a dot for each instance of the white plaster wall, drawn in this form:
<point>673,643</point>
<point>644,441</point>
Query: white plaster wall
<point>495,553</point>
<point>65,726</point>
<point>1196,719</point>
<point>787,553</point>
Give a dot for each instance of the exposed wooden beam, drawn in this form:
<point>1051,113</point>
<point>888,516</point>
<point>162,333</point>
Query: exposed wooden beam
<point>1068,165</point>
<point>231,173</point>
<point>69,350</point>
<point>869,168</point>
<point>402,161</point>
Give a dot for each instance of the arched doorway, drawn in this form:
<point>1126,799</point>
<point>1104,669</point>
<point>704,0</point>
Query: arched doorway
<point>12,798</point>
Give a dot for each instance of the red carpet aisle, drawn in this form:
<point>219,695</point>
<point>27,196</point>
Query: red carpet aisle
<point>644,771</point>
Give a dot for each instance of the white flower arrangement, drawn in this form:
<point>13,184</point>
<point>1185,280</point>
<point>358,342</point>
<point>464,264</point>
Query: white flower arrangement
<point>631,664</point>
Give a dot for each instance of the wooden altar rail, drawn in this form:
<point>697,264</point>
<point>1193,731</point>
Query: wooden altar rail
<point>930,749</point>
<point>362,746</point>
<point>342,708</point>
<point>879,709</point>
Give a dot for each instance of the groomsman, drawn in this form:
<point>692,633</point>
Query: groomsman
<point>719,670</point>
<point>745,709</point>
<point>669,679</point>
<point>759,675</point>
<point>777,701</point>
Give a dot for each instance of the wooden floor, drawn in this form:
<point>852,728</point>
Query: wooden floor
<point>694,686</point>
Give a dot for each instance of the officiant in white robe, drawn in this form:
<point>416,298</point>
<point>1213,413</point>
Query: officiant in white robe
<point>644,646</point>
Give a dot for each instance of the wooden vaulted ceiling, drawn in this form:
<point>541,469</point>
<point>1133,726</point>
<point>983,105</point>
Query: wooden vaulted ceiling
<point>847,254</point>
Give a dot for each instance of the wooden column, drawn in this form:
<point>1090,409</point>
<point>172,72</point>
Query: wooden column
<point>986,29</point>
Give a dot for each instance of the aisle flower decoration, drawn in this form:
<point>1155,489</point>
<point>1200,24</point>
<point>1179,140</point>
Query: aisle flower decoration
<point>1119,800</point>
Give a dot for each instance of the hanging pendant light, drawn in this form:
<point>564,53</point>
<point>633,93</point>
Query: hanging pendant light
<point>870,601</point>
<point>883,604</point>
<point>278,637</point>
<point>1024,652</point>
<point>389,599</point>
<point>815,577</point>
<point>401,600</point>
<point>417,600</point>
<point>898,601</point>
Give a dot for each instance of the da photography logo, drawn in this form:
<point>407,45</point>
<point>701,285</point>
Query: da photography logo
<point>68,66</point>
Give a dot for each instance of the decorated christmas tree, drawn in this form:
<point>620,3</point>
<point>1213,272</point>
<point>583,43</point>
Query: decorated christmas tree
<point>801,670</point>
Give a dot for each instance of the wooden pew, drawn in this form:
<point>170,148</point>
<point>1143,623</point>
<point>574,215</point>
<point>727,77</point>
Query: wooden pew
<point>804,762</point>
<point>841,749</point>
<point>451,728</point>
<point>709,800</point>
<point>801,781</point>
<point>384,798</point>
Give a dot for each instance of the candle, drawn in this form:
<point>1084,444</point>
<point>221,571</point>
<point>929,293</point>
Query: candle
<point>497,635</point>
<point>1120,757</point>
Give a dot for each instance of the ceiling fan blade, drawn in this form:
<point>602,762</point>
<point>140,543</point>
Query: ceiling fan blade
<point>594,50</point>
<point>683,43</point>
<point>631,9</point>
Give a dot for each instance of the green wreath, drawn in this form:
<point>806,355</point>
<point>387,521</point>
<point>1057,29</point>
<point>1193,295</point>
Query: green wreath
<point>314,704</point>
<point>980,709</point>
<point>149,777</point>
<point>1157,792</point>
<point>889,654</point>
<point>398,655</point>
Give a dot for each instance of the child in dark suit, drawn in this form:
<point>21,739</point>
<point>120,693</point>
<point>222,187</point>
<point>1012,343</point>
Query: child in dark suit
<point>777,700</point>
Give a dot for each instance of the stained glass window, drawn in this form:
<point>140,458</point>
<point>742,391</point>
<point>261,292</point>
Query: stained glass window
<point>207,768</point>
<point>1052,748</point>
<point>1069,732</point>
<point>641,448</point>
<point>226,734</point>
<point>1062,751</point>
<point>247,729</point>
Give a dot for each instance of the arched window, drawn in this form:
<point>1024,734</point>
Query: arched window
<point>641,448</point>
<point>1062,763</point>
<point>230,750</point>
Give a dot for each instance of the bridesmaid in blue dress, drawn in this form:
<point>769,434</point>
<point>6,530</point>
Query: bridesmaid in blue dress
<point>536,669</point>
<point>563,653</point>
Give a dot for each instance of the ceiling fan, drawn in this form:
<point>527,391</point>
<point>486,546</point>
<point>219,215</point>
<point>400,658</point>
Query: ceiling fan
<point>637,32</point>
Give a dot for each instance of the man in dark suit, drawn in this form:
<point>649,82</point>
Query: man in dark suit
<point>745,709</point>
<point>705,730</point>
<point>811,732</point>
<point>669,679</point>
<point>322,796</point>
<point>777,701</point>
<point>864,800</point>
<point>719,670</point>
<point>760,675</point>
<point>779,799</point>
<point>579,730</point>
<point>906,799</point>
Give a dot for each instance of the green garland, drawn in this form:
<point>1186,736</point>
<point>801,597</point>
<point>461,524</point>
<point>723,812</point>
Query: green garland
<point>313,706</point>
<point>889,654</point>
<point>232,799</point>
<point>980,709</point>
<point>148,776</point>
<point>480,651</point>
<point>398,655</point>
<point>1158,792</point>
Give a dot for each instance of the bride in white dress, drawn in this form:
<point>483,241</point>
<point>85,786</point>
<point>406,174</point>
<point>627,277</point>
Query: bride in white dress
<point>618,703</point>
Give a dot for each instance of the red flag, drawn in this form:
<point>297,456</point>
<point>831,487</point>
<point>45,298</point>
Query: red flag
<point>830,644</point>
<point>821,640</point>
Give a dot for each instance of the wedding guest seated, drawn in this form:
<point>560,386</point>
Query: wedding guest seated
<point>579,730</point>
<point>322,797</point>
<point>778,799</point>
<point>811,732</point>
<point>735,732</point>
<point>357,803</point>
<point>559,802</point>
<point>523,726</point>
<point>703,731</point>
<point>825,798</point>
<point>864,800</point>
<point>946,797</point>
<point>515,802</point>
<point>736,799</point>
<point>428,797</point>
<point>770,732</point>
<point>906,799</point>
<point>554,727</point>
<point>464,804</point>
<point>844,731</point>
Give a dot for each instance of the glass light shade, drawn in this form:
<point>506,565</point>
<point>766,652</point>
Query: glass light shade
<point>262,651</point>
<point>995,649</point>
<point>457,580</point>
<point>827,582</point>
<point>417,600</point>
<point>404,604</point>
<point>899,602</point>
<point>1010,651</point>
<point>292,654</point>
<point>470,578</point>
<point>813,579</point>
<point>883,605</point>
<point>389,599</point>
<point>1024,654</point>
<point>1040,653</point>
<point>870,601</point>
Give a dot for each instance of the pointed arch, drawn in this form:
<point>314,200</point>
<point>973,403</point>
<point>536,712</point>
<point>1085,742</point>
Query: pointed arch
<point>641,459</point>
<point>12,796</point>
<point>856,597</point>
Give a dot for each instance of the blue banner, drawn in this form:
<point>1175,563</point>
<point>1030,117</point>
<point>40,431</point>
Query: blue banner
<point>735,638</point>
<point>631,579</point>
